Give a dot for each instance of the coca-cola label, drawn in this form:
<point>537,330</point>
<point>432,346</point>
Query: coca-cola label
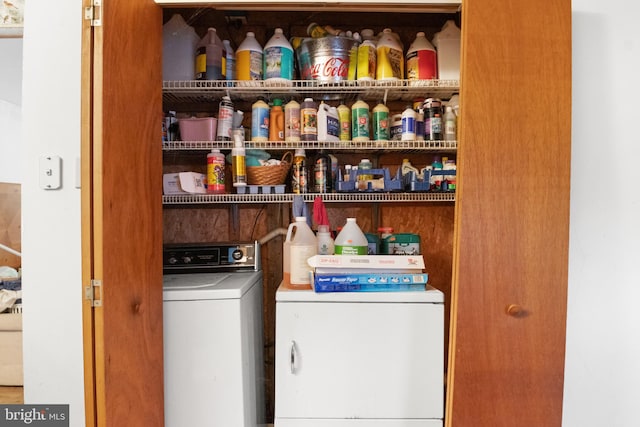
<point>333,68</point>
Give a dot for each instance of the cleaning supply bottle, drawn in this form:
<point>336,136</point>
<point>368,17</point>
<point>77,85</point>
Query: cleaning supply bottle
<point>308,120</point>
<point>322,176</point>
<point>407,167</point>
<point>179,41</point>
<point>276,121</point>
<point>344,117</point>
<point>436,180</point>
<point>302,246</point>
<point>351,240</point>
<point>450,129</point>
<point>367,62</point>
<point>238,159</point>
<point>225,119</point>
<point>360,121</point>
<point>215,172</point>
<point>260,121</point>
<point>299,172</point>
<point>409,117</point>
<point>328,123</point>
<point>390,59</point>
<point>326,245</point>
<point>249,59</point>
<point>292,121</point>
<point>210,57</point>
<point>231,60</point>
<point>277,59</point>
<point>421,59</point>
<point>381,126</point>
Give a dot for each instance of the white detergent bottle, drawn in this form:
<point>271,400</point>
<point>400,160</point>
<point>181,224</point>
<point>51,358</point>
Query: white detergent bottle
<point>302,245</point>
<point>351,240</point>
<point>179,41</point>
<point>328,123</point>
<point>249,59</point>
<point>277,59</point>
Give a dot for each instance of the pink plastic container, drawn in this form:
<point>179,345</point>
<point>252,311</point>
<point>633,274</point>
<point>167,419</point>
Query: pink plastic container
<point>198,129</point>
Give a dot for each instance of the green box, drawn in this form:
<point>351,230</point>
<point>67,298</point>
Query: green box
<point>401,244</point>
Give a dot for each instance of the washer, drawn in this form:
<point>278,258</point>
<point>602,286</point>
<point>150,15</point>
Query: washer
<point>213,352</point>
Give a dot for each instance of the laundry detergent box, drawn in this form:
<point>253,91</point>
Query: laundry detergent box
<point>370,282</point>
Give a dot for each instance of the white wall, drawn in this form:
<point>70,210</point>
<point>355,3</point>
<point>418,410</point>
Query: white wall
<point>602,375</point>
<point>52,320</point>
<point>10,109</point>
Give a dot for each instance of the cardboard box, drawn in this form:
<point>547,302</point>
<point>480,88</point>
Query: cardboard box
<point>184,183</point>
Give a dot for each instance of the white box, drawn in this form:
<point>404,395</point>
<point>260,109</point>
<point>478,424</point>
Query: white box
<point>184,183</point>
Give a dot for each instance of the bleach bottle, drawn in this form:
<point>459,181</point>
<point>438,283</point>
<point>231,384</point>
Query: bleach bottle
<point>300,245</point>
<point>351,240</point>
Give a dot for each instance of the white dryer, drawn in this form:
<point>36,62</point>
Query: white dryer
<point>213,352</point>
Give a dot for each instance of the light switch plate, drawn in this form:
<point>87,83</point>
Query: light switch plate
<point>50,171</point>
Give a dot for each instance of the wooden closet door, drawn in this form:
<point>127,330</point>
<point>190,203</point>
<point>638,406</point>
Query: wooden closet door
<point>122,214</point>
<point>512,215</point>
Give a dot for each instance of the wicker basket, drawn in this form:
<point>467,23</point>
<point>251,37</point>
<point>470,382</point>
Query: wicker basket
<point>270,175</point>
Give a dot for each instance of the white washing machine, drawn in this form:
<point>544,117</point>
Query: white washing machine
<point>213,352</point>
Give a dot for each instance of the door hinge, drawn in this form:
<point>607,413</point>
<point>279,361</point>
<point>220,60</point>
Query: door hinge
<point>93,13</point>
<point>93,293</point>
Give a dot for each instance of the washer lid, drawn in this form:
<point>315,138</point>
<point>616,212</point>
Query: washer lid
<point>208,286</point>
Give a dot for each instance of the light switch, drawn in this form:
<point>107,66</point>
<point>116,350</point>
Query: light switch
<point>50,172</point>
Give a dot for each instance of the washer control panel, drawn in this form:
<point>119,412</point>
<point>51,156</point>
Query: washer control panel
<point>210,257</point>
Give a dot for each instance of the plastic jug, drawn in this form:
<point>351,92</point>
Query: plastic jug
<point>276,121</point>
<point>390,59</point>
<point>328,123</point>
<point>211,58</point>
<point>421,59</point>
<point>277,59</point>
<point>351,240</point>
<point>249,59</point>
<point>300,245</point>
<point>179,42</point>
<point>447,43</point>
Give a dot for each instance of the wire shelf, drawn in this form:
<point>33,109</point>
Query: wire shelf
<point>206,91</point>
<point>351,146</point>
<point>359,197</point>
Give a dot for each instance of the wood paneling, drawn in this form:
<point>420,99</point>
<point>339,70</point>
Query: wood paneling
<point>127,221</point>
<point>512,215</point>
